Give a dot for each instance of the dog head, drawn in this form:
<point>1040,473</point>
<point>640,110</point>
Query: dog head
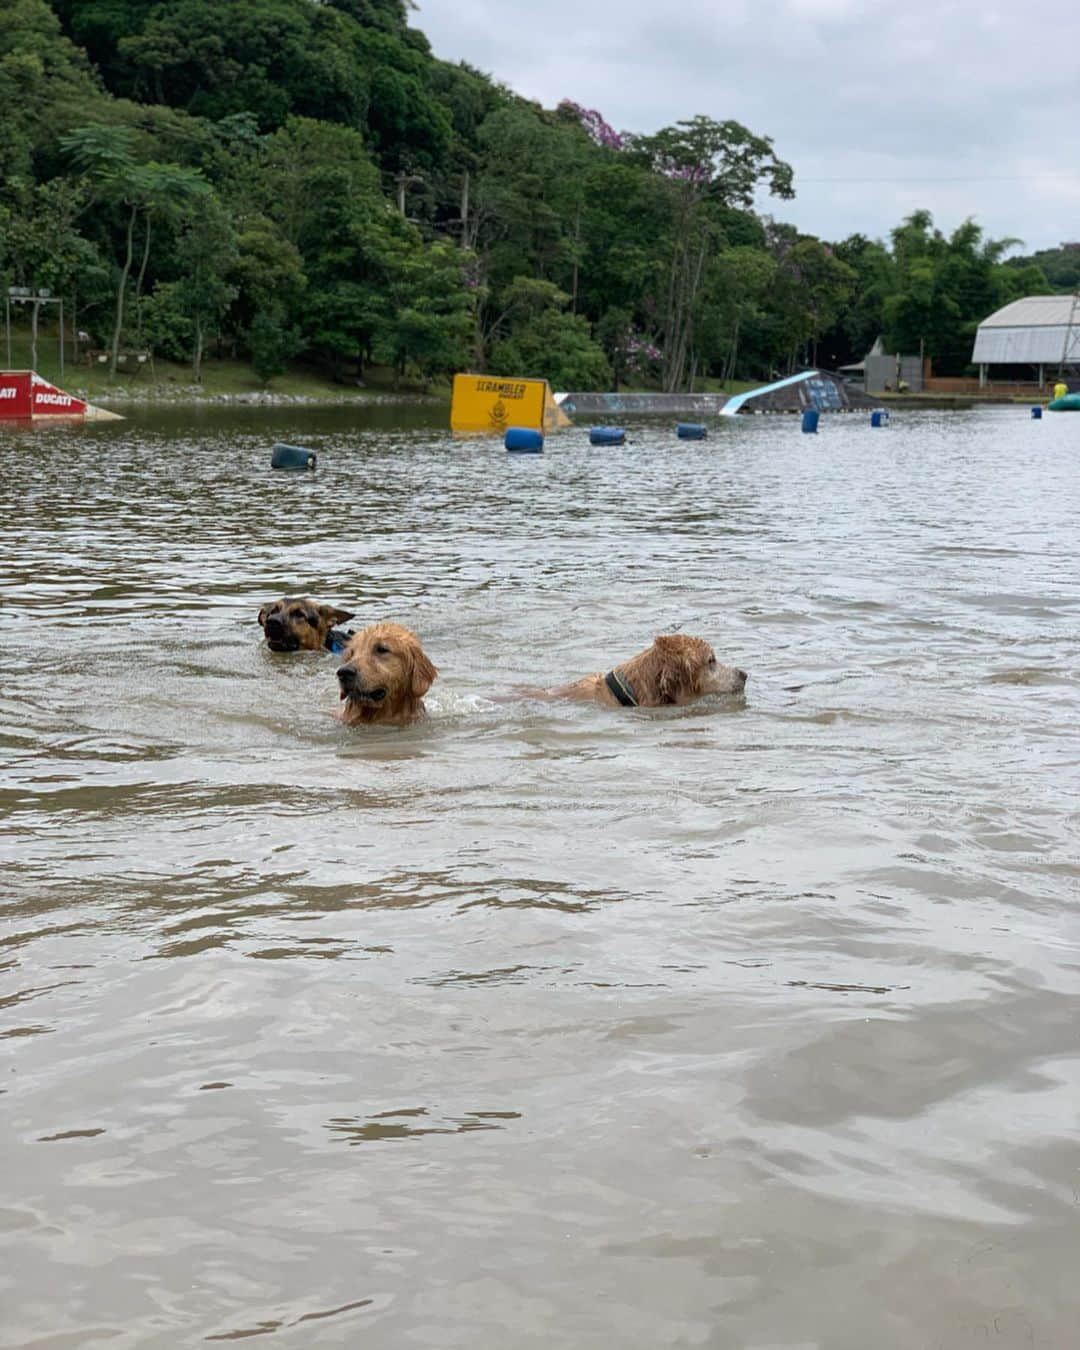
<point>295,623</point>
<point>384,674</point>
<point>679,669</point>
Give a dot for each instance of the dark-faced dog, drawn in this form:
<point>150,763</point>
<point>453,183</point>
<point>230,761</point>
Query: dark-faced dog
<point>384,676</point>
<point>295,623</point>
<point>676,669</point>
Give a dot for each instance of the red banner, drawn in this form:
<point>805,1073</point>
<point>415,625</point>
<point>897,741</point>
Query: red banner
<point>14,393</point>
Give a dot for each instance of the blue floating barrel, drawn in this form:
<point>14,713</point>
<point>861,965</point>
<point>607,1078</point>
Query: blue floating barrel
<point>691,431</point>
<point>879,417</point>
<point>607,436</point>
<point>810,420</point>
<point>1036,413</point>
<point>524,440</point>
<point>291,457</point>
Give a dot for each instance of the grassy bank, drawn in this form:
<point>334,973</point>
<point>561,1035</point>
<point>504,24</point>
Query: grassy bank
<point>223,381</point>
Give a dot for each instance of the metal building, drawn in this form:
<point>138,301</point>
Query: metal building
<point>1041,331</point>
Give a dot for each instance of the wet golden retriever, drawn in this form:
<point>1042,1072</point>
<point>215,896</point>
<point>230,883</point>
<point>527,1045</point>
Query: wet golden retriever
<point>676,669</point>
<point>295,623</point>
<point>384,676</point>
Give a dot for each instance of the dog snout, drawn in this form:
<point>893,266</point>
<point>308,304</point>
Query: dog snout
<point>346,677</point>
<point>274,627</point>
<point>742,678</point>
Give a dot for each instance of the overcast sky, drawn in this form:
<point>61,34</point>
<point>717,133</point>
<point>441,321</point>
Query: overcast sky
<point>872,105</point>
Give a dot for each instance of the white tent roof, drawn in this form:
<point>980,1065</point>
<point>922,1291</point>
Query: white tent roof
<point>1031,331</point>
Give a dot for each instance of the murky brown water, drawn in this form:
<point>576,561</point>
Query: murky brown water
<point>751,1027</point>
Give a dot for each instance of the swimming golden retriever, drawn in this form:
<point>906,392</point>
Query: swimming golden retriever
<point>384,676</point>
<point>676,669</point>
<point>295,623</point>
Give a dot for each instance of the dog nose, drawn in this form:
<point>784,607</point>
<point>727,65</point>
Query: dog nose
<point>743,677</point>
<point>274,627</point>
<point>347,676</point>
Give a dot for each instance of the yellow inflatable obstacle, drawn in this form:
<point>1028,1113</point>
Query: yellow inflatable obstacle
<point>490,403</point>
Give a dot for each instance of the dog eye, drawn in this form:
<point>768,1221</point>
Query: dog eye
<point>382,649</point>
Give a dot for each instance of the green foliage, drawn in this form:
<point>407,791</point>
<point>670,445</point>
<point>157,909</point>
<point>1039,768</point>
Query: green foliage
<point>810,289</point>
<point>44,246</point>
<point>271,345</point>
<point>166,325</point>
<point>942,288</point>
<point>544,342</point>
<point>269,272</point>
<point>859,324</point>
<point>722,160</point>
<point>206,254</point>
<point>45,82</point>
<point>554,346</point>
<point>1059,268</point>
<point>429,320</point>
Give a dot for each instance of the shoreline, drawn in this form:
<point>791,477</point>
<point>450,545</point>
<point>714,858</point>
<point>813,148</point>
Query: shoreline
<point>193,396</point>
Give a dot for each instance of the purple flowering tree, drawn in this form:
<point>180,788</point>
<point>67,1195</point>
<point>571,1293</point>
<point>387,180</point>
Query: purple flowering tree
<point>599,132</point>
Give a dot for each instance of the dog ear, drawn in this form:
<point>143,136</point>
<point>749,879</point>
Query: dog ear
<point>333,616</point>
<point>676,675</point>
<point>423,672</point>
<point>262,615</point>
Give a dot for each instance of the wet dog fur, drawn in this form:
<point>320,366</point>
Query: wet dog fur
<point>676,669</point>
<point>383,677</point>
<point>295,623</point>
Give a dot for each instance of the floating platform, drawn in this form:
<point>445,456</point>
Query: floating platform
<point>26,397</point>
<point>819,389</point>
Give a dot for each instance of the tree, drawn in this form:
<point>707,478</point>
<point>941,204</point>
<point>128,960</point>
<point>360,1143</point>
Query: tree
<point>527,199</point>
<point>429,320</point>
<point>1055,268</point>
<point>705,164</point>
<point>46,86</point>
<point>737,283</point>
<point>270,345</point>
<point>105,154</point>
<point>543,341</point>
<point>44,247</point>
<point>269,268</point>
<point>944,287</point>
<point>318,186</point>
<point>859,323</point>
<point>206,254</point>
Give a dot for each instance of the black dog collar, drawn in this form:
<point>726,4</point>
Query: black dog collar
<point>621,689</point>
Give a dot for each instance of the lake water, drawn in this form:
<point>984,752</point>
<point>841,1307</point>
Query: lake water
<point>749,1026</point>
